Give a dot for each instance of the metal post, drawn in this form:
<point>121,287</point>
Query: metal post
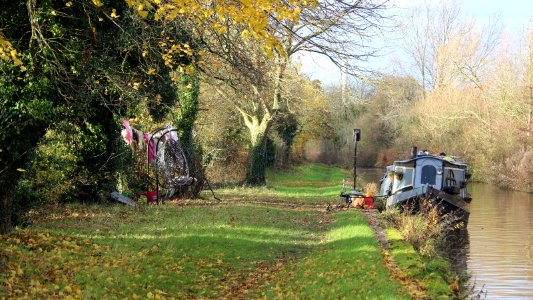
<point>356,138</point>
<point>354,164</point>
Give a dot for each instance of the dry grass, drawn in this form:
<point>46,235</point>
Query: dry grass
<point>426,230</point>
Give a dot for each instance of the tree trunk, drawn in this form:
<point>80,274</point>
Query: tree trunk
<point>285,153</point>
<point>256,166</point>
<point>287,127</point>
<point>258,133</point>
<point>6,202</point>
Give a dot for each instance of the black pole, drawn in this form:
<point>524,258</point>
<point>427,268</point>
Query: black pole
<point>155,160</point>
<point>356,138</point>
<point>354,163</point>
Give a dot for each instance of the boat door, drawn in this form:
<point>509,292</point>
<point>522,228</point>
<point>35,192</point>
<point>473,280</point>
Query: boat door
<point>429,172</point>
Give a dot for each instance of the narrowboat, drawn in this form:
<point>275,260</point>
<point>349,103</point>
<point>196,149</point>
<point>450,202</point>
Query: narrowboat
<point>440,179</point>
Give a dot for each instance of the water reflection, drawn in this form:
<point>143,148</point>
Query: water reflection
<point>497,247</point>
<point>500,255</point>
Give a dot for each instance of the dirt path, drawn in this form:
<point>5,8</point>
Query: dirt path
<point>412,287</point>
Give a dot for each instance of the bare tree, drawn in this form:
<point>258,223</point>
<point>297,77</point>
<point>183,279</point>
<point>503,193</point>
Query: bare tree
<point>340,30</point>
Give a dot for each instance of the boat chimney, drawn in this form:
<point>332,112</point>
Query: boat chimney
<point>414,152</point>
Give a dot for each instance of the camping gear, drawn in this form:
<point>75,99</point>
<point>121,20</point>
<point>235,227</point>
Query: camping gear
<point>122,198</point>
<point>171,169</point>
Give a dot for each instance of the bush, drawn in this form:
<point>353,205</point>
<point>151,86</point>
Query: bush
<point>426,229</point>
<point>26,198</point>
<point>518,171</point>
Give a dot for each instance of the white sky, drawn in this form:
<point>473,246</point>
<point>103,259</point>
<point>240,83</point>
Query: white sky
<point>514,15</point>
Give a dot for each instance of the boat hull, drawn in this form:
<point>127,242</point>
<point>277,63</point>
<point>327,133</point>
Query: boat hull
<point>447,204</point>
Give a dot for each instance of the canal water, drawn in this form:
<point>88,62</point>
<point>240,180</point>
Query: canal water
<point>499,243</point>
<point>500,249</point>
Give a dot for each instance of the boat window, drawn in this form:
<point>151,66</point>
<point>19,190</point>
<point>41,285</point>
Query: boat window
<point>408,176</point>
<point>429,174</point>
<point>403,178</point>
<point>450,179</point>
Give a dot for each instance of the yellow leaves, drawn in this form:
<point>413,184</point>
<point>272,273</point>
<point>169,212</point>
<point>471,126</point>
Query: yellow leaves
<point>172,51</point>
<point>21,170</point>
<point>143,14</point>
<point>114,14</point>
<point>68,4</point>
<point>14,56</point>
<point>8,53</point>
<point>220,29</point>
<point>151,71</point>
<point>251,15</point>
<point>30,274</point>
<point>140,10</point>
<point>5,47</point>
<point>98,3</point>
<point>245,35</point>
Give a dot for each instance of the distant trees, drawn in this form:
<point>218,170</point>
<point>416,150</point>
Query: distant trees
<point>334,28</point>
<point>476,93</point>
<point>380,107</point>
<point>443,46</point>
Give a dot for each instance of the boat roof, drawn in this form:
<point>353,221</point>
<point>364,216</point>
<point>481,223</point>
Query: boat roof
<point>448,161</point>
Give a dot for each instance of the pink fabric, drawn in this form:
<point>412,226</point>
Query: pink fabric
<point>127,134</point>
<point>151,151</point>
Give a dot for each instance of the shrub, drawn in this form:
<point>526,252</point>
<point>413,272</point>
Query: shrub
<point>426,229</point>
<point>518,171</point>
<point>26,198</point>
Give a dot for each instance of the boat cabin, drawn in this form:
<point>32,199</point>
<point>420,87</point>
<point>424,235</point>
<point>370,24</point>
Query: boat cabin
<point>410,178</point>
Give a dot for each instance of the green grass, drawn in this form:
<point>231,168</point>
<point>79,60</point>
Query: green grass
<point>184,252</point>
<point>307,175</point>
<point>308,184</point>
<point>278,241</point>
<point>429,272</point>
<point>348,265</point>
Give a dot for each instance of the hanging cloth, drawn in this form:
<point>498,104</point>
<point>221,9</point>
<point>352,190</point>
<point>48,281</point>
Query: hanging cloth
<point>151,150</point>
<point>127,132</point>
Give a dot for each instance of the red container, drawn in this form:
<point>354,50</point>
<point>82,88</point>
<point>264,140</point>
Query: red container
<point>151,196</point>
<point>369,202</point>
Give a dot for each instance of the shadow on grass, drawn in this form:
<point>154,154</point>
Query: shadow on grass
<point>347,265</point>
<point>182,251</point>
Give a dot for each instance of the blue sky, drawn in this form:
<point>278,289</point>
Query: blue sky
<point>513,15</point>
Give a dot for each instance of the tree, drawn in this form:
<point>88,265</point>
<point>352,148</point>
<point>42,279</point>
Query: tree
<point>443,46</point>
<point>83,69</point>
<point>337,29</point>
<point>26,106</point>
<point>102,62</point>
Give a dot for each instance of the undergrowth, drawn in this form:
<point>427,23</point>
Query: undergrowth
<point>433,239</point>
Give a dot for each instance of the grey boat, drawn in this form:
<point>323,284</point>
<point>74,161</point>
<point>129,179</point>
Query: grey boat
<point>439,179</point>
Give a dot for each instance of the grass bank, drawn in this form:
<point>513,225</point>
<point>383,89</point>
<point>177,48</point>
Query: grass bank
<point>278,241</point>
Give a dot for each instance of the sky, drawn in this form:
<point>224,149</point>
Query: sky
<point>513,15</point>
